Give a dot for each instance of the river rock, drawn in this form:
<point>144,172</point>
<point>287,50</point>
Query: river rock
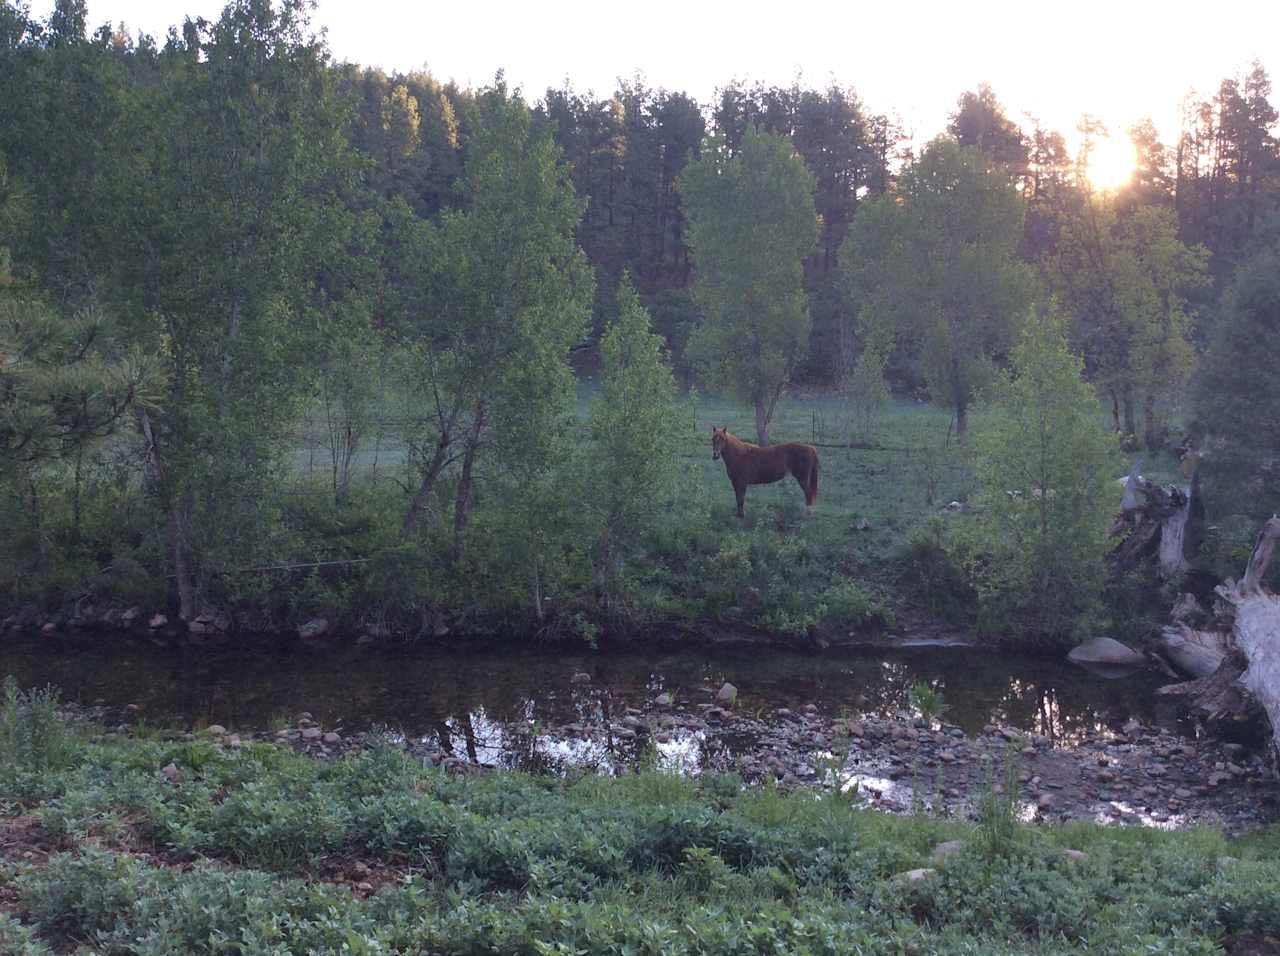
<point>311,733</point>
<point>946,848</point>
<point>665,699</point>
<point>157,621</point>
<point>1079,856</point>
<point>316,627</point>
<point>332,738</point>
<point>915,876</point>
<point>172,773</point>
<point>216,730</point>
<point>1105,651</point>
<point>727,694</point>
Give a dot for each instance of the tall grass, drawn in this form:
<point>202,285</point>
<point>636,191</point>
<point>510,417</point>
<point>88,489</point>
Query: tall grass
<point>34,737</point>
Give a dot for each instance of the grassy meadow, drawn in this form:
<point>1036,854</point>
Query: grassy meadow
<point>876,543</point>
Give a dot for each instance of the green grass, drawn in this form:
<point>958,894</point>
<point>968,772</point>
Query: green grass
<point>513,864</point>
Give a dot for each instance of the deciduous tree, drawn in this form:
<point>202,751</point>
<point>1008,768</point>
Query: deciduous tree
<point>752,222</point>
<point>1046,495</point>
<point>936,260</point>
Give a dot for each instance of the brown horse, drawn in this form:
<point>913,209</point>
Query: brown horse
<point>749,464</point>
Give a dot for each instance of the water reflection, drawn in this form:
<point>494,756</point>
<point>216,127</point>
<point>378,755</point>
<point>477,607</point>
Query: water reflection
<point>519,707</point>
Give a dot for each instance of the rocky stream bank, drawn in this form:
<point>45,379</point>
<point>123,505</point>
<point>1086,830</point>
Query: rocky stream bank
<point>1135,775</point>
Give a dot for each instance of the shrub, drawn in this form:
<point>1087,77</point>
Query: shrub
<point>34,737</point>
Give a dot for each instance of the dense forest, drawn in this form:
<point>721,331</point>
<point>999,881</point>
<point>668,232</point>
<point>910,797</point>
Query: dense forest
<point>498,318</point>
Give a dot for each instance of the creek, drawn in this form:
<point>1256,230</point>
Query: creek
<point>1086,747</point>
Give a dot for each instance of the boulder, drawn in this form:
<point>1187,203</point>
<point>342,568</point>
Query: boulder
<point>316,627</point>
<point>727,694</point>
<point>915,876</point>
<point>157,621</point>
<point>1107,652</point>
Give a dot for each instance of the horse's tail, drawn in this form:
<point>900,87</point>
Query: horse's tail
<point>811,493</point>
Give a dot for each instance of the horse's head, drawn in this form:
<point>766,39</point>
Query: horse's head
<point>719,438</point>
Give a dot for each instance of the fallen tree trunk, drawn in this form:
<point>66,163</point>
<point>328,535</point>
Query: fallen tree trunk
<point>1246,685</point>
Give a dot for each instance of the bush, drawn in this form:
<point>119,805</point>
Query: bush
<point>33,734</point>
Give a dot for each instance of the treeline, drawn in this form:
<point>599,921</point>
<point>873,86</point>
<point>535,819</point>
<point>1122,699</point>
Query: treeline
<point>205,236</point>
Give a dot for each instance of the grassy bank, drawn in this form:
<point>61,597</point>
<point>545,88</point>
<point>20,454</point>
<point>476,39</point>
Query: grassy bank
<point>880,542</point>
<point>152,846</point>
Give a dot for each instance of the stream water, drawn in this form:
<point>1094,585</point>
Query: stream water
<point>1084,746</point>
<point>416,691</point>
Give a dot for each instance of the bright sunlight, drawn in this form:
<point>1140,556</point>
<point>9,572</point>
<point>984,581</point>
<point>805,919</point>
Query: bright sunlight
<point>1111,162</point>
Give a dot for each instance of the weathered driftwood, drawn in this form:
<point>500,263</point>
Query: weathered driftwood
<point>1248,678</point>
<point>1194,652</point>
<point>1156,522</point>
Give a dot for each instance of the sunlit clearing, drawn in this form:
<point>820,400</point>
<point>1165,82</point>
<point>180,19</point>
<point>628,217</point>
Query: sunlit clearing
<point>1111,163</point>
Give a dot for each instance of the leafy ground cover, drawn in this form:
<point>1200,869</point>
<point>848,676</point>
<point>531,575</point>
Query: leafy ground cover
<point>149,847</point>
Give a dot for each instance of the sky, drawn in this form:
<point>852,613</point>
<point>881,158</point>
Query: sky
<point>1120,61</point>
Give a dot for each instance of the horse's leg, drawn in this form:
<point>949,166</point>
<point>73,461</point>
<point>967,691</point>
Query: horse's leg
<point>740,489</point>
<point>806,475</point>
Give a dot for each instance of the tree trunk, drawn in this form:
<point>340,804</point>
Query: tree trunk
<point>1249,676</point>
<point>1150,436</point>
<point>429,477</point>
<point>961,397</point>
<point>177,526</point>
<point>1157,522</point>
<point>462,502</point>
<point>1130,421</point>
<point>177,519</point>
<point>762,421</point>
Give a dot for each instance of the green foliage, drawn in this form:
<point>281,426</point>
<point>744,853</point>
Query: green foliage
<point>868,394</point>
<point>60,389</point>
<point>34,738</point>
<point>645,863</point>
<point>1126,283</point>
<point>998,830</point>
<point>1237,398</point>
<point>752,221</point>
<point>932,570</point>
<point>1044,467</point>
<point>927,701</point>
<point>933,265</point>
<point>635,424</point>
